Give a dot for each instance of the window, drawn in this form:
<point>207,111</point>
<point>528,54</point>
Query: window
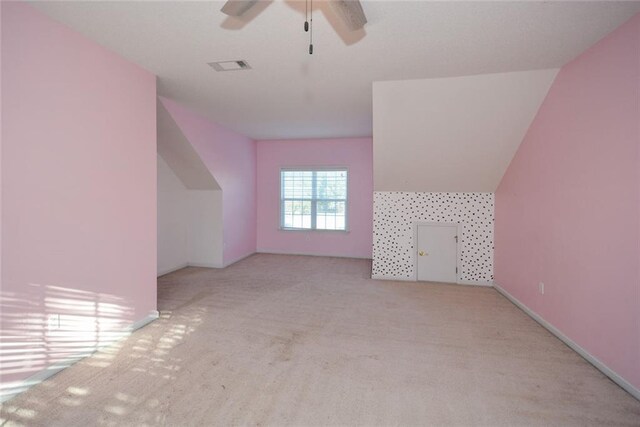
<point>313,199</point>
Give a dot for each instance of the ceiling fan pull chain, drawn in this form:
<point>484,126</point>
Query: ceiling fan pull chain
<point>311,31</point>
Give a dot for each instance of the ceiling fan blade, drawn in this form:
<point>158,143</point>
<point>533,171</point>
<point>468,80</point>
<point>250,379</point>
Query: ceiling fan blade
<point>237,7</point>
<point>350,12</point>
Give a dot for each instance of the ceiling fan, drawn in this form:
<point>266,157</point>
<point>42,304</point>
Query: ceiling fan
<point>350,12</point>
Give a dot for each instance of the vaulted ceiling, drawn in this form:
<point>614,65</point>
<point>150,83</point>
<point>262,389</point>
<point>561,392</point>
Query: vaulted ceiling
<point>176,150</point>
<point>454,134</point>
<point>290,94</point>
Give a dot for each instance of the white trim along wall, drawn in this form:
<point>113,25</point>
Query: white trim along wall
<point>575,347</point>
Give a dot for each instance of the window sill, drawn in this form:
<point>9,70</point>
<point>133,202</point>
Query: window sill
<point>308,230</point>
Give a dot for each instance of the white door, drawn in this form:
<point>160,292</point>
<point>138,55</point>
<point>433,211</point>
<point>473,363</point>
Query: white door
<point>437,253</point>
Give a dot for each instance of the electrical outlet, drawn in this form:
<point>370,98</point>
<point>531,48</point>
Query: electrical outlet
<point>53,322</point>
<point>541,288</point>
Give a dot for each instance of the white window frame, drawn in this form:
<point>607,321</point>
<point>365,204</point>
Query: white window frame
<point>313,199</point>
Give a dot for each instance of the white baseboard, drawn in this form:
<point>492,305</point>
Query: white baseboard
<point>171,270</point>
<point>459,282</point>
<point>615,377</point>
<point>399,279</point>
<point>205,265</point>
<point>153,315</point>
<point>12,389</point>
<point>475,283</point>
<point>279,252</point>
<point>240,258</point>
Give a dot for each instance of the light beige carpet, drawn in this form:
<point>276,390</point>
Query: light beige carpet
<point>287,340</point>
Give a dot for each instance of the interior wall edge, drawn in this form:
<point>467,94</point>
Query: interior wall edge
<point>610,373</point>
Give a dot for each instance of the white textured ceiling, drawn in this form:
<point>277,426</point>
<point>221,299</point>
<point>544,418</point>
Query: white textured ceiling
<point>289,94</point>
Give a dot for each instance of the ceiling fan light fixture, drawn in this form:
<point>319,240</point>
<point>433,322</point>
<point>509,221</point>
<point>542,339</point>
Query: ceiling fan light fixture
<point>350,13</point>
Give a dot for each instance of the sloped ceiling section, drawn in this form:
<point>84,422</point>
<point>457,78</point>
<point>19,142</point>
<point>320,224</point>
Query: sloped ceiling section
<point>177,152</point>
<point>452,134</point>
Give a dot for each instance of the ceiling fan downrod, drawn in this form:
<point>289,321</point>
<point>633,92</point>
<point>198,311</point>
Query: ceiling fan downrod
<point>306,15</point>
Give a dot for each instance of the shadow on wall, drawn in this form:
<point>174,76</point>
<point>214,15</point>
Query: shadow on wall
<point>88,322</point>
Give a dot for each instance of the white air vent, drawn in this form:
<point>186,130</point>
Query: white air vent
<point>230,65</point>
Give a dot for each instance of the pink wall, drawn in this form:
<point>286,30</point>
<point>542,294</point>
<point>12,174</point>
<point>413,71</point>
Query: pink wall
<point>357,156</point>
<point>79,191</point>
<point>231,158</point>
<point>568,207</point>
<point>0,165</point>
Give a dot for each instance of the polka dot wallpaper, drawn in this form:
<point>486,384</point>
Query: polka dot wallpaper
<point>394,216</point>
